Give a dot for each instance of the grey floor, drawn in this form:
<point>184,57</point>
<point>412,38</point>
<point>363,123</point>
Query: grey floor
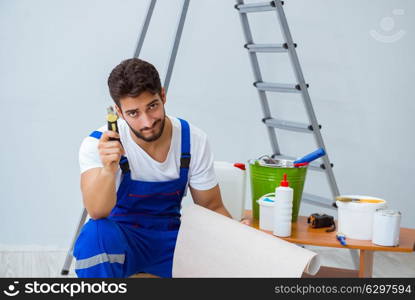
<point>48,262</point>
<point>386,264</point>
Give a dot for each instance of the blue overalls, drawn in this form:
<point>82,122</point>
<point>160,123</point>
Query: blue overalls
<point>140,233</point>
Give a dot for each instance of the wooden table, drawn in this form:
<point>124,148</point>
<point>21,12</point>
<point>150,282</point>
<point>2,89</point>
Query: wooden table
<point>301,233</point>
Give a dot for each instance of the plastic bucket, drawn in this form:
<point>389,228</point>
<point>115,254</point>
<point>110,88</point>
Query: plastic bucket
<point>265,179</point>
<point>355,220</point>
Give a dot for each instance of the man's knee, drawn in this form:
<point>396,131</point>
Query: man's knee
<point>97,236</point>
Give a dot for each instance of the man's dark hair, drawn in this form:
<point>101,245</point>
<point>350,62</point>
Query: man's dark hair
<point>133,77</point>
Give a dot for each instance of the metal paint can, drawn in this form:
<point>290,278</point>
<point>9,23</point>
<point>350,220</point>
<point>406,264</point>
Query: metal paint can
<point>386,227</point>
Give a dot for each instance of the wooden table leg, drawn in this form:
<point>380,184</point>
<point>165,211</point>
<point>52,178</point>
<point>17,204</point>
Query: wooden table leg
<point>366,263</point>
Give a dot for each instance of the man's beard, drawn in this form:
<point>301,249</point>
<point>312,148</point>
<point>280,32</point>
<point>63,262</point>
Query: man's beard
<point>153,137</point>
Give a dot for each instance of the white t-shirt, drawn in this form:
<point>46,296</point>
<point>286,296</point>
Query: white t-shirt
<point>144,168</point>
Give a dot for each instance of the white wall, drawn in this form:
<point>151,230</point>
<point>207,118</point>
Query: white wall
<point>55,57</point>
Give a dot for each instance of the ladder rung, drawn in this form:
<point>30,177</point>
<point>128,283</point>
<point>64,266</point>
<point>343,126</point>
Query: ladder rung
<point>278,87</point>
<point>256,7</point>
<point>288,125</point>
<point>319,201</point>
<point>267,48</point>
<point>312,166</point>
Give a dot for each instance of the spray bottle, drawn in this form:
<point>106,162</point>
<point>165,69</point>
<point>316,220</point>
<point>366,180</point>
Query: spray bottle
<point>283,208</point>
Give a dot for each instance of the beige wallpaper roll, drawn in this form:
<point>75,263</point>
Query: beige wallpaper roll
<point>212,245</point>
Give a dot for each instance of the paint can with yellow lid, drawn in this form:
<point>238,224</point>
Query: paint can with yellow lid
<point>355,218</point>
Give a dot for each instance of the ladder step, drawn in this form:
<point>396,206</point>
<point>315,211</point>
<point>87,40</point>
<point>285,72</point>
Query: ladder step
<point>255,7</point>
<point>312,166</point>
<point>278,87</point>
<point>319,201</point>
<point>288,125</point>
<point>268,48</point>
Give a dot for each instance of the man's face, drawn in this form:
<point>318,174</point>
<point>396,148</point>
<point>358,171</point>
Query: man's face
<point>144,115</point>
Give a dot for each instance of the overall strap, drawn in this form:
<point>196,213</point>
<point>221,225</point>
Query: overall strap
<point>96,134</point>
<point>125,167</point>
<point>185,155</point>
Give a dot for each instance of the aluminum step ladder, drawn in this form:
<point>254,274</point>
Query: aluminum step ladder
<point>166,83</point>
<point>300,87</point>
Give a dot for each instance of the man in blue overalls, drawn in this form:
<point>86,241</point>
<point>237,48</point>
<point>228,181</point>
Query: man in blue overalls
<point>132,187</point>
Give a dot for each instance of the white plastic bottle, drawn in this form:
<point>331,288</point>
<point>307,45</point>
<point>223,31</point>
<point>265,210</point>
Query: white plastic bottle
<point>283,208</point>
